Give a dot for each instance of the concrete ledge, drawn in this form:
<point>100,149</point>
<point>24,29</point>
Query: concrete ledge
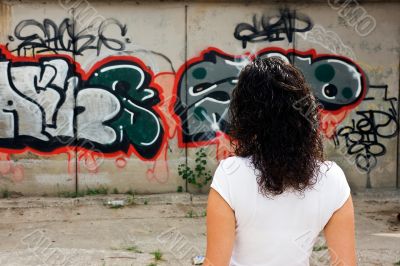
<point>199,199</point>
<point>156,199</point>
<point>378,194</point>
<point>49,202</point>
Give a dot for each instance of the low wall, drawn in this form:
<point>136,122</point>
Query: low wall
<point>118,95</point>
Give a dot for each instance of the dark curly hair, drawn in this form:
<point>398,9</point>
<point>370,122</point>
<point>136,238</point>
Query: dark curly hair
<point>274,119</point>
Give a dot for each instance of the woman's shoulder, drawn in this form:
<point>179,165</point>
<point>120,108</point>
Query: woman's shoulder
<point>234,180</point>
<point>234,164</point>
<point>330,168</point>
<point>331,175</point>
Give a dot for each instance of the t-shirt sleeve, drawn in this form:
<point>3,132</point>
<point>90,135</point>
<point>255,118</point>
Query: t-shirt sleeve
<point>339,190</point>
<point>221,184</point>
<point>343,189</point>
<point>336,191</point>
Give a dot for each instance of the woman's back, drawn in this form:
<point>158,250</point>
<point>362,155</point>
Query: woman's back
<point>281,229</point>
<point>268,204</point>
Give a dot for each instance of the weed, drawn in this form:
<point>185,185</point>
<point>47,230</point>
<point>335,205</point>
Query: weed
<point>130,201</point>
<point>146,202</point>
<point>70,194</point>
<point>5,193</point>
<point>397,263</point>
<point>115,191</point>
<point>179,189</point>
<point>152,264</point>
<point>116,206</point>
<point>89,191</point>
<point>190,214</point>
<point>319,248</point>
<point>197,176</point>
<point>157,255</point>
<point>130,192</point>
<point>101,190</point>
<point>134,249</point>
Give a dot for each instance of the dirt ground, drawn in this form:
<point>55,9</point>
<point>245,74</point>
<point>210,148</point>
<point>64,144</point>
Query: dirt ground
<point>157,230</point>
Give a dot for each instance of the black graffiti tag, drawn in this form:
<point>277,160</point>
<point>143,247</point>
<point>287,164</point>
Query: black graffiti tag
<point>48,36</point>
<point>273,28</point>
<point>363,138</point>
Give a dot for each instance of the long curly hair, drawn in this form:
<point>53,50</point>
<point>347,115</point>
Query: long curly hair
<point>274,119</point>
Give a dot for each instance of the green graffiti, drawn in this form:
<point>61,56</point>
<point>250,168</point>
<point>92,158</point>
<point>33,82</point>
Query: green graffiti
<point>199,73</point>
<point>347,93</point>
<point>137,123</point>
<point>199,113</point>
<point>325,72</point>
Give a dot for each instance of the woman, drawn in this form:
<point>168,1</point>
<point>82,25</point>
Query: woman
<point>269,202</point>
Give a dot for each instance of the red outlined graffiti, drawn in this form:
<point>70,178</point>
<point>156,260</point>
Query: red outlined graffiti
<point>84,82</point>
<point>204,83</point>
<point>197,95</point>
<point>8,167</point>
<point>159,172</point>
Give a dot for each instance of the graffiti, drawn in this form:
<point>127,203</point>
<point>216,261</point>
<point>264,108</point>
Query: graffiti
<point>137,124</point>
<point>159,171</point>
<point>204,88</point>
<point>329,40</point>
<point>203,106</point>
<point>48,104</point>
<point>363,137</point>
<point>10,168</point>
<point>36,37</point>
<point>273,28</point>
<point>354,15</point>
<point>337,82</point>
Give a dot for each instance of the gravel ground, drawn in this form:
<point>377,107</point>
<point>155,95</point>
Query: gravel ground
<point>169,227</point>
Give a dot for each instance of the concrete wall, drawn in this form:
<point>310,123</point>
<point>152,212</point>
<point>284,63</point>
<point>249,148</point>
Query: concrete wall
<point>94,94</point>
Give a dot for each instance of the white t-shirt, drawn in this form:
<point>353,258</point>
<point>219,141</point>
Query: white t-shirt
<point>279,230</point>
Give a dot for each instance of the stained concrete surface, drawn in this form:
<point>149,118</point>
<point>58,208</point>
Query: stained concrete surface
<point>85,231</point>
